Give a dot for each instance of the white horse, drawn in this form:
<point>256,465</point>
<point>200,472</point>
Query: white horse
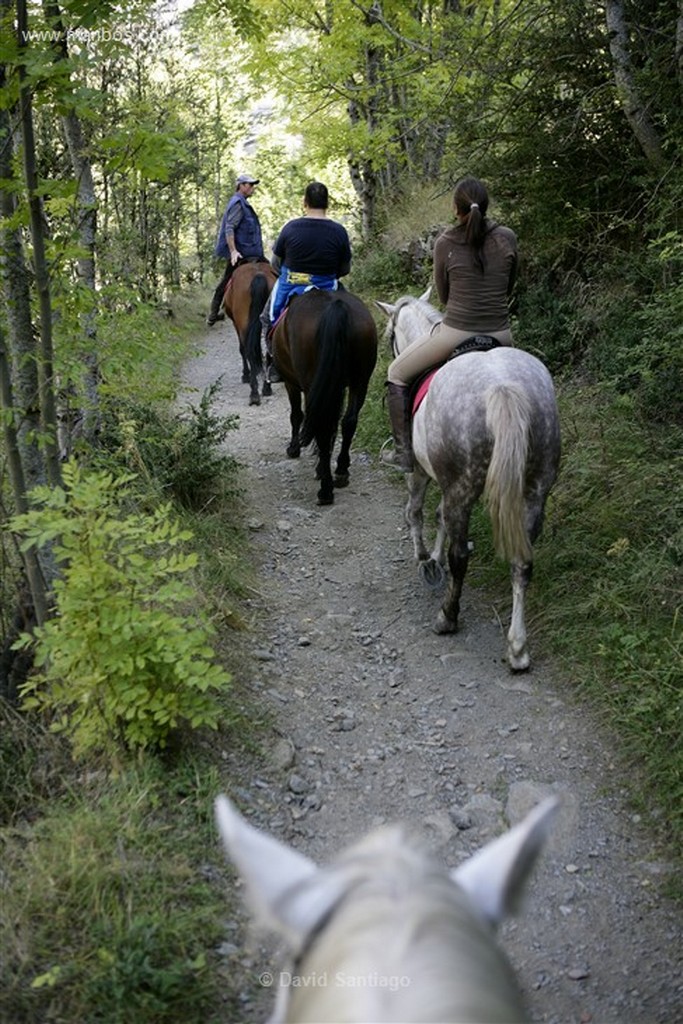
<point>488,425</point>
<point>385,934</point>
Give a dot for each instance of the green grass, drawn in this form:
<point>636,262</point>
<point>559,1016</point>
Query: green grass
<point>105,913</point>
<point>607,593</point>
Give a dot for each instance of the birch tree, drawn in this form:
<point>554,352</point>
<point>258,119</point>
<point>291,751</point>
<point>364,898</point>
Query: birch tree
<point>630,96</point>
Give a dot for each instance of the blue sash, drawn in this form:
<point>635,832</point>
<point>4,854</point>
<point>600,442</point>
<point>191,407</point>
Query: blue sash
<point>293,282</point>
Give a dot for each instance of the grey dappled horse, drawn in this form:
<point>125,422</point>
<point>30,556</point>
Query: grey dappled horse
<point>385,933</point>
<point>488,425</point>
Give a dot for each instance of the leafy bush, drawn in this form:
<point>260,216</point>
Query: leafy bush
<point>122,661</point>
<point>549,322</point>
<point>180,454</point>
<point>385,273</point>
<point>652,366</point>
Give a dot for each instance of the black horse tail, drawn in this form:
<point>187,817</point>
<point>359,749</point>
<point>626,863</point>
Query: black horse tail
<point>259,292</point>
<point>325,397</point>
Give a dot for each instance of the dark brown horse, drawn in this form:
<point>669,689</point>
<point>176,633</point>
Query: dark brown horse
<point>325,346</point>
<point>244,299</point>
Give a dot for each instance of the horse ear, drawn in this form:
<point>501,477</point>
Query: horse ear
<point>494,878</point>
<point>386,308</point>
<point>425,295</point>
<point>270,869</point>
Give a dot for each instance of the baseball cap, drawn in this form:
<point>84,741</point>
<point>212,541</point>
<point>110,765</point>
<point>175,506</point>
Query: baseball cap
<point>246,179</point>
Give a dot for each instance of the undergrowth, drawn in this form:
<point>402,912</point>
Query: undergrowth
<point>113,895</point>
<point>106,916</point>
<point>607,589</point>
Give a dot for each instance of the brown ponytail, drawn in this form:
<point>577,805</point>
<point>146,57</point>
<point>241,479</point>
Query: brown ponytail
<point>471,199</point>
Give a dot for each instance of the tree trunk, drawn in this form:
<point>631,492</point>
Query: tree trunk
<point>31,563</point>
<point>631,101</point>
<point>48,409</point>
<point>679,44</point>
<point>364,181</point>
<point>87,229</point>
<point>22,362</point>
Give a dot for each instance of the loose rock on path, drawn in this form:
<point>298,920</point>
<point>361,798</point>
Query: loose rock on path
<point>379,719</point>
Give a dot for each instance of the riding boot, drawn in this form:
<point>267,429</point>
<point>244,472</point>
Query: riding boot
<point>216,313</point>
<point>398,402</point>
<point>272,372</point>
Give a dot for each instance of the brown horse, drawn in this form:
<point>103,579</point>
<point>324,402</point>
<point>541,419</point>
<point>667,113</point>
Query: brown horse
<point>325,345</point>
<point>246,295</point>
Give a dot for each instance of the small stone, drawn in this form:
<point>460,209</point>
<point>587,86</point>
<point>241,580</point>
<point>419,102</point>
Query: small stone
<point>578,973</point>
<point>297,784</point>
<point>284,754</point>
<point>460,818</point>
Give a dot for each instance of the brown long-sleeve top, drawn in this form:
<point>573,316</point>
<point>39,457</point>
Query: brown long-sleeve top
<point>474,301</point>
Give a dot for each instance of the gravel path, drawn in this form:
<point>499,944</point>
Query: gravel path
<point>379,719</point>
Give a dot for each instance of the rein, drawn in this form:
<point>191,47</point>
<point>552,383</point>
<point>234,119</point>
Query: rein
<point>431,315</point>
<point>475,343</point>
<point>321,925</point>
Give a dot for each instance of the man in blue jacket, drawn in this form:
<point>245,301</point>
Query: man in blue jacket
<point>239,238</point>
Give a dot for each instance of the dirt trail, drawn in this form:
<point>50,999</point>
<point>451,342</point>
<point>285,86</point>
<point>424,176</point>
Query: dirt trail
<point>380,719</point>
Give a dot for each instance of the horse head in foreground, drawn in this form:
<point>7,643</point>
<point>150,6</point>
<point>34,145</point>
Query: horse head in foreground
<point>245,298</point>
<point>386,934</point>
<point>324,347</point>
<point>488,425</point>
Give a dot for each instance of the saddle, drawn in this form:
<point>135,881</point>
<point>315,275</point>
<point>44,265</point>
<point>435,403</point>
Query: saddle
<point>420,386</point>
<point>241,262</point>
<point>298,289</point>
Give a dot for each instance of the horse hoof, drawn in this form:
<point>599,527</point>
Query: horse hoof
<point>266,390</point>
<point>254,399</point>
<point>519,662</point>
<point>432,573</point>
<point>325,499</point>
<point>293,451</point>
<point>341,480</point>
<point>444,625</point>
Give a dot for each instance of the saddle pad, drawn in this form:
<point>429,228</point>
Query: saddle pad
<point>271,329</point>
<point>422,388</point>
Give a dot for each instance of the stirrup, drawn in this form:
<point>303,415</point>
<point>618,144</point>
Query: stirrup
<point>396,460</point>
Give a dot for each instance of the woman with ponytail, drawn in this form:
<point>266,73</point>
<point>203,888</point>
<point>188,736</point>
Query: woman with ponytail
<point>475,265</point>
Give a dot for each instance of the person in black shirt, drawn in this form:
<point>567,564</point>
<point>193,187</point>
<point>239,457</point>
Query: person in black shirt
<point>312,251</point>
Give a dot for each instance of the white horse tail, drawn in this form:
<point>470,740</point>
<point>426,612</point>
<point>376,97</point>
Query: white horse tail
<point>508,418</point>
